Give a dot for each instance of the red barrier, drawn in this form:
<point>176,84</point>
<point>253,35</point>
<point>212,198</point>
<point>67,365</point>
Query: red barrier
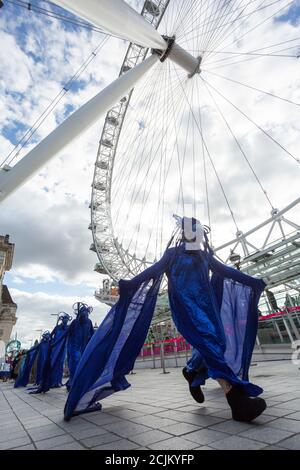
<point>278,314</point>
<point>179,344</point>
<point>170,347</point>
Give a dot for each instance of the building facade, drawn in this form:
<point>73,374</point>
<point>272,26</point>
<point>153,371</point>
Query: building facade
<point>8,307</point>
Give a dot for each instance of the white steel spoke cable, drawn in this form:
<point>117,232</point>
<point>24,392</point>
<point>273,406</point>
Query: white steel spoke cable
<point>208,17</point>
<point>204,23</point>
<point>130,143</point>
<point>152,97</point>
<point>180,107</point>
<point>32,8</point>
<point>180,166</point>
<point>243,19</point>
<point>130,185</point>
<point>212,17</point>
<point>180,13</point>
<point>253,50</point>
<point>253,88</point>
<point>163,150</point>
<point>227,26</point>
<point>253,122</point>
<point>220,24</point>
<point>221,32</point>
<point>208,62</point>
<point>256,57</point>
<point>229,23</point>
<point>15,152</point>
<point>161,216</point>
<point>148,175</point>
<point>194,164</point>
<point>156,171</point>
<point>189,12</point>
<point>161,192</point>
<point>204,164</point>
<point>239,146</point>
<point>251,29</point>
<point>192,17</point>
<point>130,133</point>
<point>168,18</point>
<point>212,163</point>
<point>266,55</point>
<point>132,188</point>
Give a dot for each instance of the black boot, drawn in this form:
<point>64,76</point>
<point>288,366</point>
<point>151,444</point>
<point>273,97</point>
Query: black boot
<point>196,392</point>
<point>244,408</point>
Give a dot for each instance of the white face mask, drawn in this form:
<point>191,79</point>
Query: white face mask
<point>191,232</point>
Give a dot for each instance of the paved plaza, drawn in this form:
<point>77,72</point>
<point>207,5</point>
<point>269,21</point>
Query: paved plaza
<point>156,413</point>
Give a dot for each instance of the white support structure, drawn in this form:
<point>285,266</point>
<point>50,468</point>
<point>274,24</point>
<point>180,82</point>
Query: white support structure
<point>118,18</point>
<point>71,128</point>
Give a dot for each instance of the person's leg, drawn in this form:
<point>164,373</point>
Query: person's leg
<point>209,353</point>
<point>243,408</point>
<point>195,372</point>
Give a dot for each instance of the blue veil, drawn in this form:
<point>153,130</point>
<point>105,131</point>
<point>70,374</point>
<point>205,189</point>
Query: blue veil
<point>39,352</point>
<point>79,334</point>
<point>113,349</point>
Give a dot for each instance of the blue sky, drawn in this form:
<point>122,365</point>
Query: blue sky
<point>292,15</point>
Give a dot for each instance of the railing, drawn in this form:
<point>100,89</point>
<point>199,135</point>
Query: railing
<point>278,328</point>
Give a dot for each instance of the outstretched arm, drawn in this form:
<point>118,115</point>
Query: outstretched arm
<point>235,274</point>
<point>152,272</point>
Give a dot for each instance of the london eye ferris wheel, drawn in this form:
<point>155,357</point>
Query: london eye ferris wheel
<point>204,121</point>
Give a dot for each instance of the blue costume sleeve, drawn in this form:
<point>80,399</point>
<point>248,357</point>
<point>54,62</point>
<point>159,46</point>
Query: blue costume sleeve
<point>53,367</point>
<point>114,347</point>
<point>43,355</point>
<point>236,275</point>
<point>154,271</point>
<point>23,377</point>
<point>238,305</point>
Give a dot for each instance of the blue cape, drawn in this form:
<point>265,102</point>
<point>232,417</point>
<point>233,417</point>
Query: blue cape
<point>24,373</point>
<point>79,334</point>
<point>71,339</point>
<point>217,315</point>
<point>57,355</point>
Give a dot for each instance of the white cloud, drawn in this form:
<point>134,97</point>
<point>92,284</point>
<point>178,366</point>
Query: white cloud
<point>35,310</point>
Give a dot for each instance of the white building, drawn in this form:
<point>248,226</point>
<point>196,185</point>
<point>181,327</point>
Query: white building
<point>7,306</point>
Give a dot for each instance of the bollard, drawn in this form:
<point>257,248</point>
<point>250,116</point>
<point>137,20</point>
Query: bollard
<point>153,356</point>
<point>175,353</point>
<point>162,358</point>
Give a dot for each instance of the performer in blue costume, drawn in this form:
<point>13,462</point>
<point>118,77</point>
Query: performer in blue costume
<point>216,314</point>
<point>40,352</point>
<point>79,334</point>
<point>70,339</point>
<point>57,354</point>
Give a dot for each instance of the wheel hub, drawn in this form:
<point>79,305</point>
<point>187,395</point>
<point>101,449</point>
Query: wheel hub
<point>178,55</point>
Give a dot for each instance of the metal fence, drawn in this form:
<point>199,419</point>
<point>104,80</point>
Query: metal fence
<point>281,328</point>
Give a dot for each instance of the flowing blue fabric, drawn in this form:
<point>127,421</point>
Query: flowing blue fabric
<point>53,367</point>
<point>79,334</point>
<point>58,354</point>
<point>113,349</point>
<point>24,373</point>
<point>206,310</point>
<point>44,348</point>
